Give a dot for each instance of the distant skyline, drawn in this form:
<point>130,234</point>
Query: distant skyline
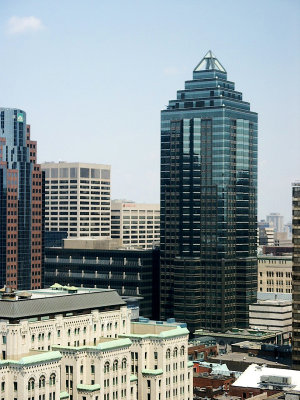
<point>94,76</point>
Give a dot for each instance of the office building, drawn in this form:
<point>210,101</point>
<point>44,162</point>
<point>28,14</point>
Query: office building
<point>274,274</point>
<point>272,315</point>
<point>21,204</point>
<point>265,234</point>
<point>102,264</point>
<point>80,344</point>
<point>296,275</point>
<point>276,220</point>
<point>138,225</point>
<point>77,198</point>
<point>208,202</point>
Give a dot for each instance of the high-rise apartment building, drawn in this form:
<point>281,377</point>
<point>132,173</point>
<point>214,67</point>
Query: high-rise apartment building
<point>208,202</point>
<point>296,275</point>
<point>136,224</point>
<point>21,204</point>
<point>276,220</point>
<point>77,198</point>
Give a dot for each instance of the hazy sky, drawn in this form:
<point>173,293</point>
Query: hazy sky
<point>94,75</point>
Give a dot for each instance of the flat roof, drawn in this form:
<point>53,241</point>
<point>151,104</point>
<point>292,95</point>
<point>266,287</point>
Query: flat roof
<point>55,301</point>
<point>251,377</point>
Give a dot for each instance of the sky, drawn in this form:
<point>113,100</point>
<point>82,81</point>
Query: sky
<point>93,76</point>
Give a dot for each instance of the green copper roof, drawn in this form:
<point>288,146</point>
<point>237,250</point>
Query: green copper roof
<point>64,395</point>
<point>133,378</point>
<point>34,359</point>
<point>42,357</point>
<point>209,62</point>
<point>190,364</point>
<point>88,388</point>
<point>152,371</point>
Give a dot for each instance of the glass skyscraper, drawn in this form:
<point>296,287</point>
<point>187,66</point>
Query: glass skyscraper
<point>208,202</point>
<point>21,204</point>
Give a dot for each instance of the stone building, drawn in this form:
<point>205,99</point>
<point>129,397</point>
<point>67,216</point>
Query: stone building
<point>79,344</point>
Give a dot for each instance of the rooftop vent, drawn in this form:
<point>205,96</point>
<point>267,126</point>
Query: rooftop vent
<point>8,294</point>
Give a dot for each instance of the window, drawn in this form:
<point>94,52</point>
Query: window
<point>42,381</point>
<point>106,367</point>
<point>115,365</point>
<point>52,379</point>
<point>30,384</point>
<point>182,351</point>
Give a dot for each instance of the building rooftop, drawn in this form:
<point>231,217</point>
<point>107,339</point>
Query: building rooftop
<point>255,377</point>
<point>33,358</point>
<point>253,334</point>
<point>209,62</point>
<point>55,300</point>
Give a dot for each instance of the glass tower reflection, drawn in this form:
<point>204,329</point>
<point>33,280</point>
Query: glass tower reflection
<point>208,202</point>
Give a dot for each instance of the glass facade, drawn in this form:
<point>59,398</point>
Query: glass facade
<point>21,209</point>
<point>208,202</point>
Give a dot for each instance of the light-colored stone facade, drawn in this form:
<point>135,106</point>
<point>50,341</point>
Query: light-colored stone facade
<point>138,225</point>
<point>77,199</point>
<point>275,274</point>
<point>87,353</point>
<point>273,315</point>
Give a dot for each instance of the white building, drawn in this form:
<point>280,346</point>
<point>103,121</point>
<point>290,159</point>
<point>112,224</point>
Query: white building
<point>77,198</point>
<point>138,225</point>
<point>79,344</point>
<point>265,378</point>
<point>272,315</point>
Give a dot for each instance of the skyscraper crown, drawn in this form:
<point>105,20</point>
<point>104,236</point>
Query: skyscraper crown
<point>209,62</point>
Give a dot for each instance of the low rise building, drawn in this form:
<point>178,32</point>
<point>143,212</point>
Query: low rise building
<point>273,315</point>
<point>202,348</point>
<point>235,335</point>
<point>77,343</point>
<point>274,274</point>
<point>258,379</point>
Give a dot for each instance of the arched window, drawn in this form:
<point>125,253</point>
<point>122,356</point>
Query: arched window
<point>175,352</point>
<point>49,335</point>
<point>124,363</point>
<point>31,384</point>
<point>168,354</point>
<point>182,351</point>
<point>42,381</point>
<point>106,367</point>
<point>52,379</point>
<point>115,365</point>
<point>32,338</point>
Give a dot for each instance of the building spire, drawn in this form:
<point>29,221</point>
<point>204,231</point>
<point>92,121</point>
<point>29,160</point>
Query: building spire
<point>209,62</point>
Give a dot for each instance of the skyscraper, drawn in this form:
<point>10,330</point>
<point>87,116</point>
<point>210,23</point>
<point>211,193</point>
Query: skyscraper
<point>208,202</point>
<point>77,199</point>
<point>296,276</point>
<point>21,204</point>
